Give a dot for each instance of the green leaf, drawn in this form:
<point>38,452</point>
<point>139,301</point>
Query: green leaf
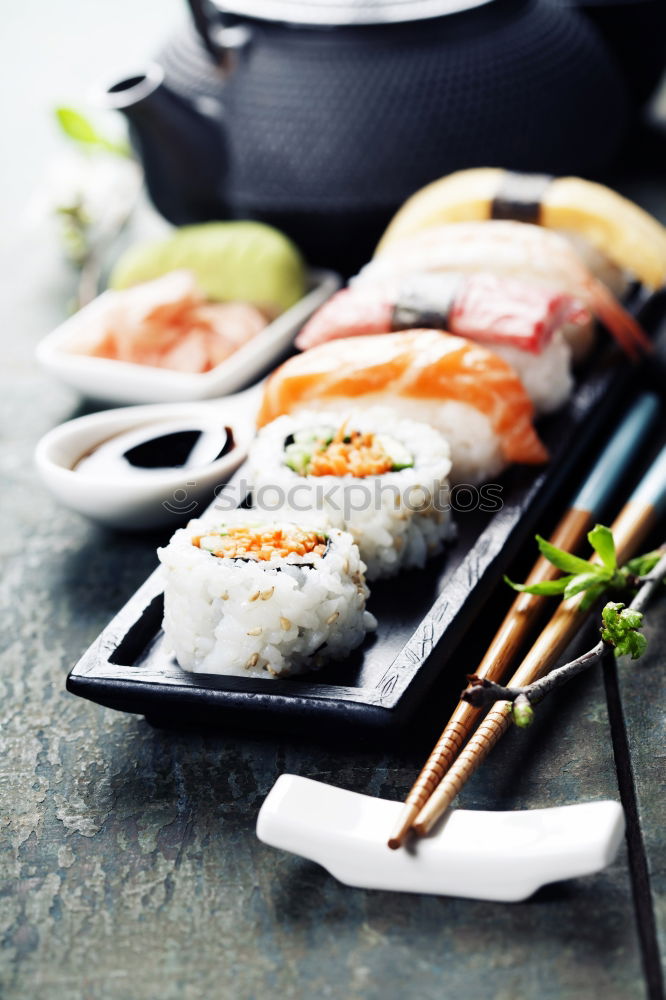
<point>565,560</point>
<point>547,588</point>
<point>634,645</point>
<point>592,594</point>
<point>602,541</point>
<point>621,630</point>
<point>77,127</point>
<point>632,619</point>
<point>642,565</point>
<point>583,581</point>
<point>610,611</point>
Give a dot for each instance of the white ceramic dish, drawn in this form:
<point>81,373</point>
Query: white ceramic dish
<point>140,502</point>
<point>122,382</point>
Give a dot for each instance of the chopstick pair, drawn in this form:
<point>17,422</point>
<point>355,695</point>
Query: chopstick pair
<point>449,766</point>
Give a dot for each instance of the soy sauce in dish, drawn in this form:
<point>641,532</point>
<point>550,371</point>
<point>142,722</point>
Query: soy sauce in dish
<point>146,450</point>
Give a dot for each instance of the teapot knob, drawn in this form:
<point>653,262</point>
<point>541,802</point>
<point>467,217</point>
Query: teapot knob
<point>219,39</point>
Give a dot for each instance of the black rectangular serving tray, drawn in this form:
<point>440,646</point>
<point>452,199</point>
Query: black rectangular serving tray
<point>422,614</point>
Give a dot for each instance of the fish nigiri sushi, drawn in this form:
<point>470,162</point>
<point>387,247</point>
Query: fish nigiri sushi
<point>472,396</point>
<point>521,322</point>
<point>615,226</point>
<point>515,249</point>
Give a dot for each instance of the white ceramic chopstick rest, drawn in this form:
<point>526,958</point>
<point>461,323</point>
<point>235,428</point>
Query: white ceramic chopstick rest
<point>502,856</point>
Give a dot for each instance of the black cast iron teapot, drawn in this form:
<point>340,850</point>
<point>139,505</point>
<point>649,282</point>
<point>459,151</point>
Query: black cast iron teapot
<point>321,118</point>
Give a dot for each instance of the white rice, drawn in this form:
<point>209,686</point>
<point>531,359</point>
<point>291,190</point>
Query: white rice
<point>262,618</point>
<point>397,519</point>
<point>546,376</point>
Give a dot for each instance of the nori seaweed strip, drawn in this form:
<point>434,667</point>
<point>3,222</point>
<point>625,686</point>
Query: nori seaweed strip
<point>425,301</point>
<point>518,197</point>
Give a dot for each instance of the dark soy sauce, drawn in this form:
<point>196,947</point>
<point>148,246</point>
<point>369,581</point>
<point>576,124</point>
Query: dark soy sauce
<point>163,452</point>
<point>145,450</point>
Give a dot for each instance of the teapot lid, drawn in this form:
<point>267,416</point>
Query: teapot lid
<point>345,12</point>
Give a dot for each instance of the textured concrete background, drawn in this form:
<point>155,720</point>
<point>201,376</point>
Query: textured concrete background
<point>128,862</point>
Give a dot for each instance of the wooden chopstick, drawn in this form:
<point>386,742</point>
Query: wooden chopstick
<point>505,645</point>
<point>629,529</point>
<point>599,485</point>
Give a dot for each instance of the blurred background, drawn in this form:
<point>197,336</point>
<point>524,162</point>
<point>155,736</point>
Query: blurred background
<point>326,127</point>
<point>54,54</point>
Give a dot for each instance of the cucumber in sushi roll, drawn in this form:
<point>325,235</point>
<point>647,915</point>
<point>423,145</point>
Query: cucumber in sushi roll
<point>382,479</point>
<point>262,597</point>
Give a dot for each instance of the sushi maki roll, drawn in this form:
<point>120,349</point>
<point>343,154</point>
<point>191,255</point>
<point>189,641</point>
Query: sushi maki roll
<point>382,479</point>
<point>259,597</point>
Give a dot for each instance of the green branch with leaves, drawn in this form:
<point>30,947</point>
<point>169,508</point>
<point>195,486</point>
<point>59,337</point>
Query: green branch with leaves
<point>620,626</point>
<point>595,578</point>
<point>83,238</point>
<point>82,131</point>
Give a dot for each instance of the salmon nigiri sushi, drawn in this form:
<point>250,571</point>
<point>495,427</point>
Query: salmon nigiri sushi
<point>472,396</point>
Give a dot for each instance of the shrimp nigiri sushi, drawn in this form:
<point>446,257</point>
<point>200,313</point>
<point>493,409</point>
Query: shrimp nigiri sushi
<point>472,396</point>
<point>515,249</point>
<point>521,322</point>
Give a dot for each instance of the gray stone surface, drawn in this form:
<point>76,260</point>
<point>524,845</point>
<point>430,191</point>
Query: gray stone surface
<point>128,862</point>
<point>132,868</point>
